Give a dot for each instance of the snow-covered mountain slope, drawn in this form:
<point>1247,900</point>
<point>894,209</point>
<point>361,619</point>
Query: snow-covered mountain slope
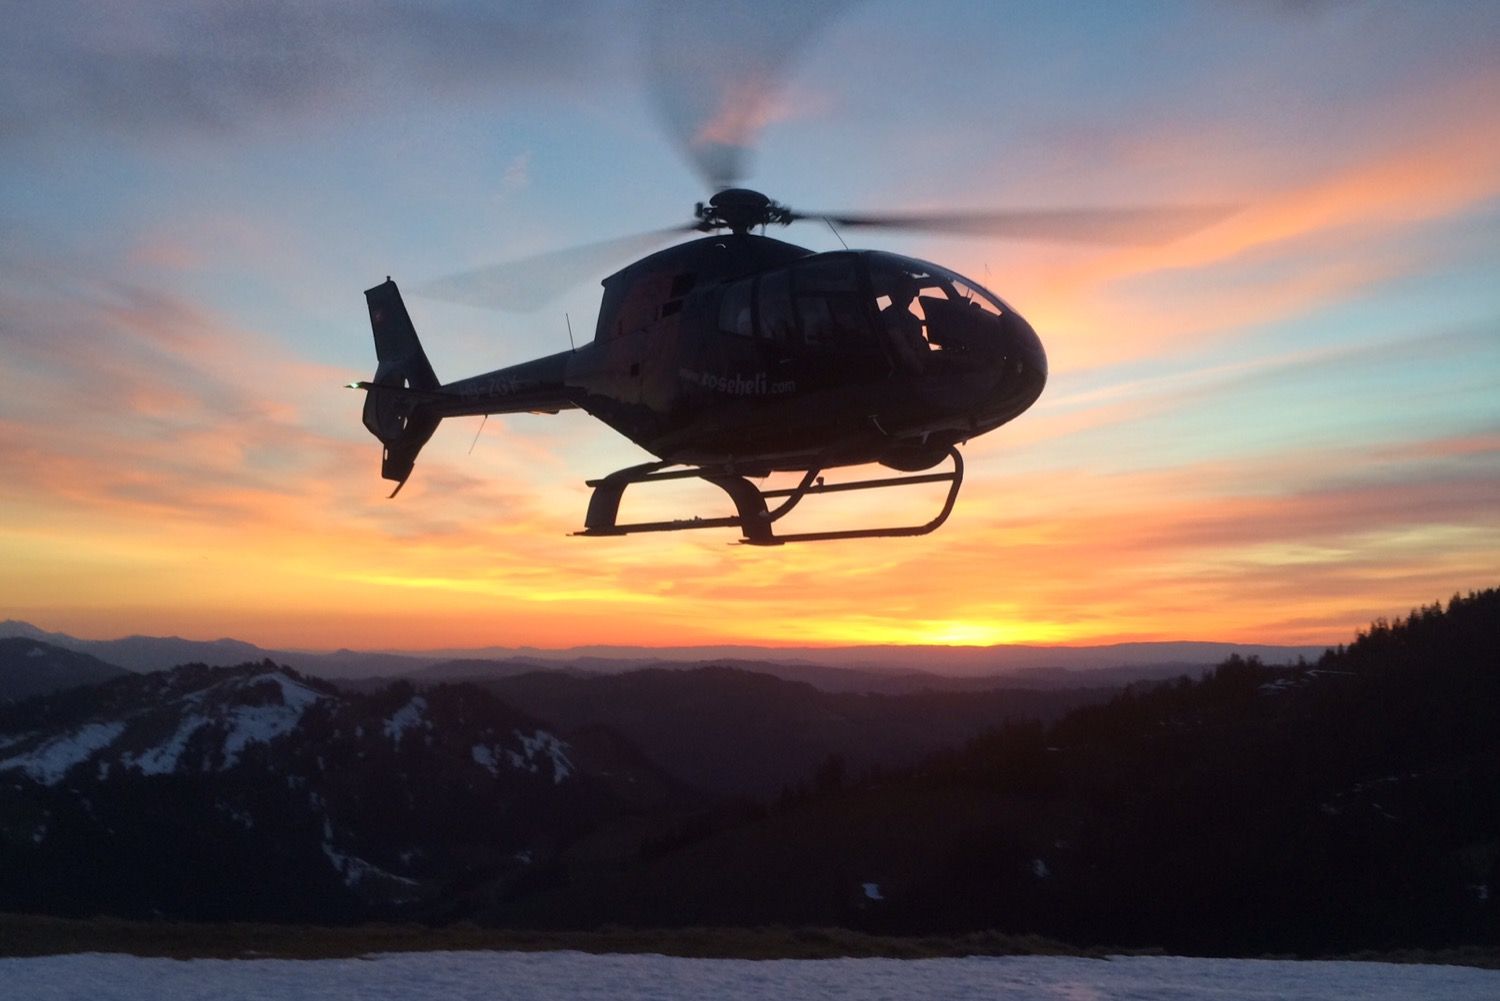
<point>201,791</point>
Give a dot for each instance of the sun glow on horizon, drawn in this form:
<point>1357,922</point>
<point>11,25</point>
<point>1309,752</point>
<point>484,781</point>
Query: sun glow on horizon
<point>924,632</point>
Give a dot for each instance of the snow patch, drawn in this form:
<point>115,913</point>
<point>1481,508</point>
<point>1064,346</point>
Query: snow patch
<point>872,891</point>
<point>257,725</point>
<point>243,725</point>
<point>242,817</point>
<point>36,651</point>
<point>162,759</point>
<point>405,718</point>
<point>1039,869</point>
<point>48,762</point>
<point>356,870</point>
<point>485,757</point>
<point>264,723</point>
<point>293,694</point>
<point>548,976</point>
<point>539,743</point>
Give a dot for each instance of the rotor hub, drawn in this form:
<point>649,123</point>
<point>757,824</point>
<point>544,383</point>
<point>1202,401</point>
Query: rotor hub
<point>739,210</point>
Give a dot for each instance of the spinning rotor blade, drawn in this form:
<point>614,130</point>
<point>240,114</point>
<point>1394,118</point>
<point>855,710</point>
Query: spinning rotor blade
<point>531,282</point>
<point>1118,226</point>
<point>715,70</point>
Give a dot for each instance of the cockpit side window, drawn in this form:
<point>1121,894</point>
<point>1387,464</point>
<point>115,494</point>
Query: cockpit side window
<point>830,319</point>
<point>777,322</point>
<point>681,286</point>
<point>640,302</point>
<point>827,301</point>
<point>826,273</point>
<point>735,314</point>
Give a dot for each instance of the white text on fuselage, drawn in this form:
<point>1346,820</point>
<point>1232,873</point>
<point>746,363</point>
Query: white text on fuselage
<point>754,384</point>
<point>495,385</point>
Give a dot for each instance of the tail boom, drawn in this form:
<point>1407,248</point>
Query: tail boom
<point>405,402</point>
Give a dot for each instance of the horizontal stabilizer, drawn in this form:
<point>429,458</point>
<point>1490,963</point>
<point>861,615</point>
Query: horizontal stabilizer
<point>405,392</point>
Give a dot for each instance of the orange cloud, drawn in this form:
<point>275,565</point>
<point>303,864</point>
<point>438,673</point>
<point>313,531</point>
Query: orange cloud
<point>1295,245</point>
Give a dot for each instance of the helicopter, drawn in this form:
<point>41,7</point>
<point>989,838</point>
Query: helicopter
<point>736,355</point>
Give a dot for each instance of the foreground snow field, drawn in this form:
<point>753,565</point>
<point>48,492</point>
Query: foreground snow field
<point>545,976</point>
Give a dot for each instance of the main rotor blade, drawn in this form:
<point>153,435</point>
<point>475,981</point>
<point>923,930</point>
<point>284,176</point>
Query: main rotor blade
<point>531,282</point>
<point>1118,226</point>
<point>715,71</point>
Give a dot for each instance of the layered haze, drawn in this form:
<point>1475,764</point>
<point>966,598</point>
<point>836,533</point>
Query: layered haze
<point>1271,431</point>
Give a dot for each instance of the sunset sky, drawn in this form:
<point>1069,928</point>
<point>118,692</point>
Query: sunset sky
<point>1272,430</point>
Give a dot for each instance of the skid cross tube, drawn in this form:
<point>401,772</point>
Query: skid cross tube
<point>753,517</point>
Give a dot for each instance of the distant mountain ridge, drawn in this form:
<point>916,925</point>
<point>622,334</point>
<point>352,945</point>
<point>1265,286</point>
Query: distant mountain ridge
<point>924,666</point>
<point>742,731</point>
<point>35,667</point>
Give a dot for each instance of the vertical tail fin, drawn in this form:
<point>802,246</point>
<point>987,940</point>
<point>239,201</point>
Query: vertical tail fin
<point>402,360</point>
<point>398,418</point>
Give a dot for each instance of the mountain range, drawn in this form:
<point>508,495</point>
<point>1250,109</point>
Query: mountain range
<point>29,667</point>
<point>257,792</point>
<point>1339,804</point>
<point>729,730</point>
<point>889,669</point>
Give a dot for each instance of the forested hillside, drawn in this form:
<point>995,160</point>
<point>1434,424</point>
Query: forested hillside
<point>1349,803</point>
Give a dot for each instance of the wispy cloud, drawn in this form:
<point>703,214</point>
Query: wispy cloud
<point>175,67</point>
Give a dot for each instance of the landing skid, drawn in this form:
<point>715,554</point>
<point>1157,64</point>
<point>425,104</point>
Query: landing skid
<point>755,518</point>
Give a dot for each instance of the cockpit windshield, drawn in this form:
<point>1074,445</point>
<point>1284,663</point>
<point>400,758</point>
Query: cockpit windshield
<point>926,310</point>
<point>892,276</point>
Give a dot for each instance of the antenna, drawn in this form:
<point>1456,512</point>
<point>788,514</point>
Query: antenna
<point>836,232</point>
<point>476,437</point>
<point>568,320</point>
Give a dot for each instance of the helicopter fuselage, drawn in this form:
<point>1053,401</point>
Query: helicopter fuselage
<point>748,353</point>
